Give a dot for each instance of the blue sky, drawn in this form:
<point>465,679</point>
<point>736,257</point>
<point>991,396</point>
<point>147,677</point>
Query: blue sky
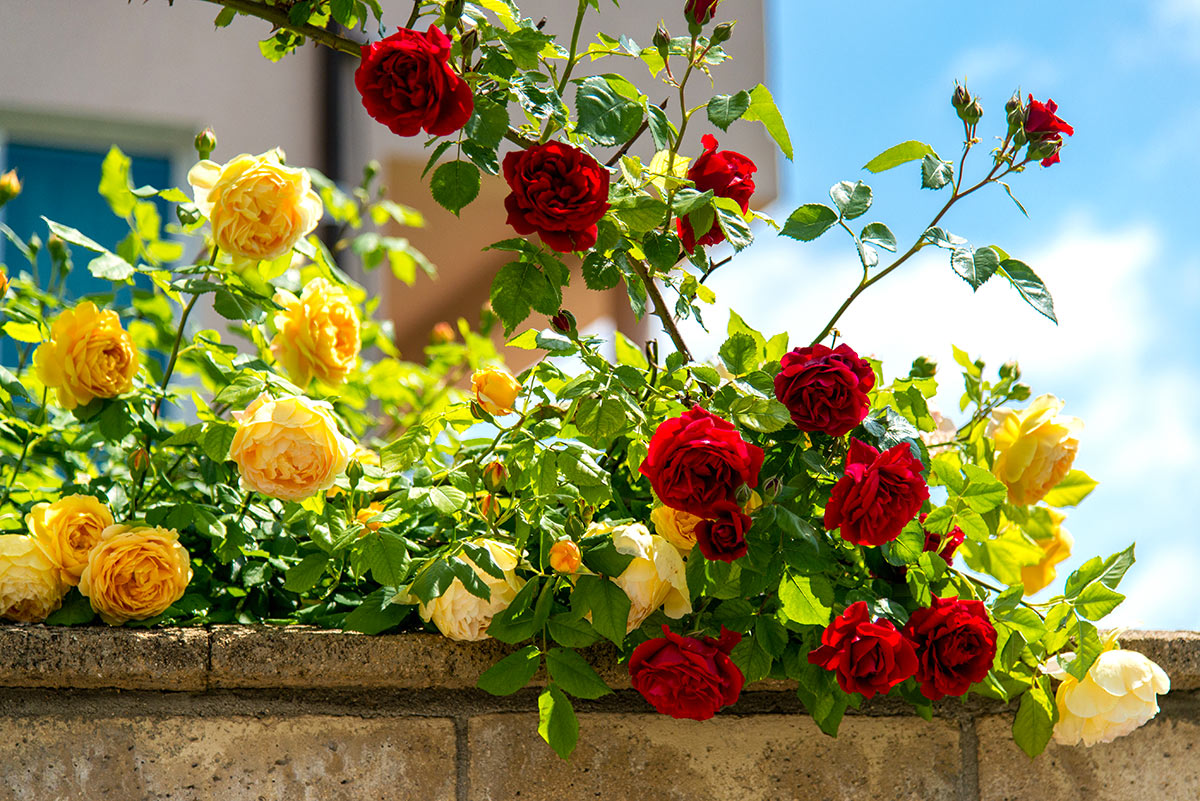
<point>1110,231</point>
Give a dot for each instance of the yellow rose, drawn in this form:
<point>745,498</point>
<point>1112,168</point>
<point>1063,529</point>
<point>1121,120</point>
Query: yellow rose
<point>89,356</point>
<point>495,390</point>
<point>30,585</point>
<point>135,572</point>
<point>1034,448</point>
<point>460,615</point>
<point>364,516</point>
<point>676,526</point>
<point>288,448</point>
<point>1056,548</point>
<point>316,334</point>
<point>258,207</point>
<point>1117,695</point>
<point>565,557</point>
<point>656,576</point>
<point>67,529</point>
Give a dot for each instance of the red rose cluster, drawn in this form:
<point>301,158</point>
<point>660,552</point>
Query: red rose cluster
<point>825,389</point>
<point>947,647</point>
<point>559,192</point>
<point>878,495</point>
<point>687,677</point>
<point>726,173</point>
<point>407,83</point>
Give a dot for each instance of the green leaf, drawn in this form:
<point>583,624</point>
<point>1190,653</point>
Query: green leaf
<point>76,610</point>
<point>524,45</point>
<point>600,555</point>
<point>899,154</point>
<point>1031,288</point>
<point>433,580</point>
<point>573,673</point>
<point>1034,722</point>
<point>763,109</point>
<point>1097,600</point>
<point>740,354</point>
<point>1087,649</point>
<point>608,604</point>
<point>512,672</point>
<point>557,723</point>
<point>760,414</point>
<point>605,115</point>
<point>853,199</point>
<point>566,630</point>
<point>235,307</point>
<point>733,224</point>
<point>68,234</point>
<point>877,233</point>
<point>908,547</point>
<point>217,439</point>
<point>1116,566</point>
<point>809,221</point>
<point>983,492</point>
<point>936,173</point>
<point>1071,491</point>
<point>374,615</point>
<point>641,213</point>
<point>115,184</point>
<point>807,600</point>
<point>518,287</point>
<point>724,110</point>
<point>303,576</point>
<point>386,556</point>
<point>455,184</point>
<point>600,418</point>
<point>974,266</point>
<point>600,272</point>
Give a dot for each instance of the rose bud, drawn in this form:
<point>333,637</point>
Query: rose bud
<point>722,33</point>
<point>1015,112</point>
<point>972,113</point>
<point>139,461</point>
<point>494,476</point>
<point>960,99</point>
<point>206,143</point>
<point>563,322</point>
<point>495,390</point>
<point>662,42</point>
<point>3,283</point>
<point>10,186</point>
<point>488,506</point>
<point>700,11</point>
<point>565,556</point>
<point>442,334</point>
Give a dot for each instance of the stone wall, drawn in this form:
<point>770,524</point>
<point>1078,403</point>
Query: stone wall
<point>304,715</point>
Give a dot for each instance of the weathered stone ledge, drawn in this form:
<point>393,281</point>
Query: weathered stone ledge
<point>245,657</point>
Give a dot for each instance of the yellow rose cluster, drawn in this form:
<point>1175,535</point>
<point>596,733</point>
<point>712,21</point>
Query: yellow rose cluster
<point>89,355</point>
<point>258,208</point>
<point>316,334</point>
<point>126,572</point>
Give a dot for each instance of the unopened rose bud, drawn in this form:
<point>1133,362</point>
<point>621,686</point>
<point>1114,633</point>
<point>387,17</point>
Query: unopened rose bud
<point>489,506</point>
<point>10,186</point>
<point>206,143</point>
<point>960,99</point>
<point>139,461</point>
<point>495,390</point>
<point>722,33</point>
<point>442,334</point>
<point>453,11</point>
<point>354,473</point>
<point>58,249</point>
<point>972,113</point>
<point>923,367</point>
<point>494,476</point>
<point>1016,113</point>
<point>1010,369</point>
<point>468,42</point>
<point>563,322</point>
<point>662,41</point>
<point>1044,149</point>
<point>771,487</point>
<point>565,557</point>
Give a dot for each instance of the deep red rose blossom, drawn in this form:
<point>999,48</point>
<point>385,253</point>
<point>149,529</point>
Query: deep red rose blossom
<point>559,192</point>
<point>825,389</point>
<point>1043,125</point>
<point>867,657</point>
<point>878,495</point>
<point>700,10</point>
<point>697,461</point>
<point>955,643</point>
<point>406,83</point>
<point>724,539</point>
<point>949,543</point>
<point>687,677</point>
<point>728,174</point>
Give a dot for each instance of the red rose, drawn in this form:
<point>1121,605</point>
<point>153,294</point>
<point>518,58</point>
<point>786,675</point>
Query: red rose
<point>559,192</point>
<point>406,83</point>
<point>687,677</point>
<point>697,461</point>
<point>727,174</point>
<point>1045,129</point>
<point>878,495</point>
<point>825,390</point>
<point>948,544</point>
<point>700,10</point>
<point>868,657</point>
<point>955,644</point>
<point>724,539</point>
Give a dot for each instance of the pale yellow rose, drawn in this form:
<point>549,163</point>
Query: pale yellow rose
<point>460,615</point>
<point>89,356</point>
<point>66,531</point>
<point>495,390</point>
<point>289,448</point>
<point>656,576</point>
<point>1118,694</point>
<point>1035,448</point>
<point>316,334</point>
<point>135,572</point>
<point>30,584</point>
<point>1056,548</point>
<point>258,208</point>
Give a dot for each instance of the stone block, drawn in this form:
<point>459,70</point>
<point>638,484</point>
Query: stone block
<point>227,759</point>
<point>99,657</point>
<point>748,758</point>
<point>1161,760</point>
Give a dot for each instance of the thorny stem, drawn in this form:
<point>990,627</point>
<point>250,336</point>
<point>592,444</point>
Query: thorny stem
<point>415,15</point>
<point>278,17</point>
<point>661,310</point>
<point>572,60</point>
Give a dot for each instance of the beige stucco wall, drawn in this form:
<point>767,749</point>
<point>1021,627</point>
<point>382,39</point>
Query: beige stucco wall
<point>263,714</point>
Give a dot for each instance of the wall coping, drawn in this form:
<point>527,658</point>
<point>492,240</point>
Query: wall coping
<point>296,657</point>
